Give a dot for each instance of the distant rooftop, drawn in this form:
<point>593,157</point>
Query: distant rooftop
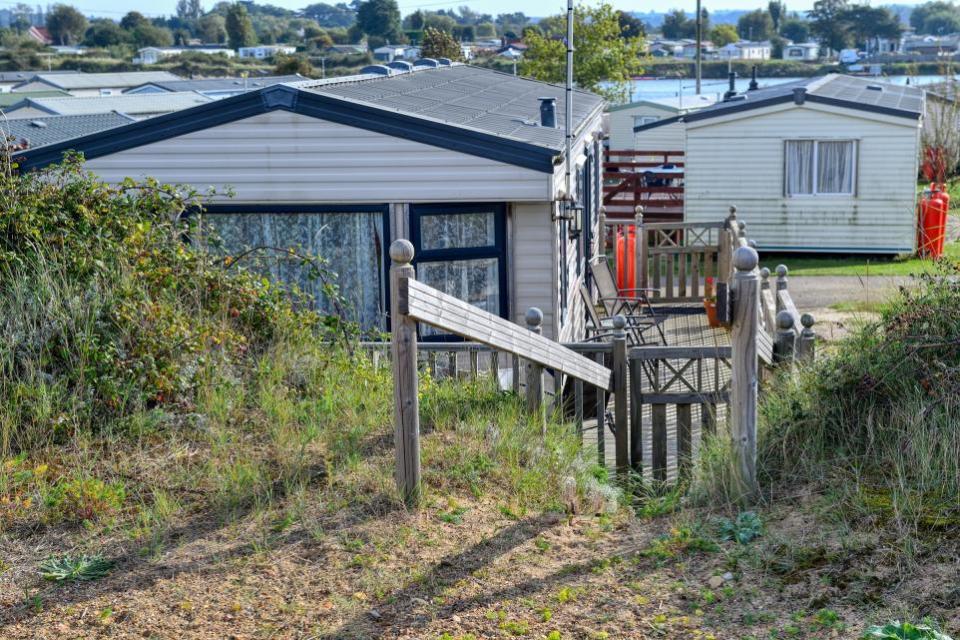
<point>222,84</point>
<point>79,80</point>
<point>133,104</point>
<point>8,99</point>
<point>40,131</point>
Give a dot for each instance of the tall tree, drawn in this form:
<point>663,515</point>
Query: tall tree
<point>603,61</point>
<point>65,24</point>
<point>864,23</point>
<point>132,20</point>
<point>795,30</point>
<point>778,11</point>
<point>676,25</point>
<point>942,22</point>
<point>331,15</point>
<point>380,19</point>
<point>104,32</point>
<point>439,44</point>
<point>213,28</point>
<point>827,25</point>
<point>189,9</point>
<point>723,34</point>
<point>631,27</point>
<point>756,25</point>
<point>239,27</point>
<point>926,11</point>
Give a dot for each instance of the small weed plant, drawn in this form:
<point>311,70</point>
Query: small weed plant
<point>74,568</point>
<point>897,630</point>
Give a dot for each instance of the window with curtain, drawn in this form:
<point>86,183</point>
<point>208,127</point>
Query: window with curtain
<point>820,167</point>
<point>350,242</point>
<point>460,250</point>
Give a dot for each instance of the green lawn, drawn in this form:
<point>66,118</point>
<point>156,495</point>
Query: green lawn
<point>856,265</point>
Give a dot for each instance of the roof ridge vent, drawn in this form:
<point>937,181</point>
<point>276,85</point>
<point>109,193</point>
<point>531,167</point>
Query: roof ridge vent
<point>378,69</point>
<point>426,62</point>
<point>401,65</point>
<point>445,62</point>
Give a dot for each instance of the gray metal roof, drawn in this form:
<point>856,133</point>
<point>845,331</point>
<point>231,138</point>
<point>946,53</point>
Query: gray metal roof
<point>51,129</point>
<point>80,80</point>
<point>467,97</point>
<point>133,104</point>
<point>22,76</point>
<point>222,84</point>
<point>866,94</point>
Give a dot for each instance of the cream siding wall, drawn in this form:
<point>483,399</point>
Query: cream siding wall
<point>739,160</point>
<point>669,137</point>
<point>533,280</point>
<point>282,156</point>
<point>621,123</point>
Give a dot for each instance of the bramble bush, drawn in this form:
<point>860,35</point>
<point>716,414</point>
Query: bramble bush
<point>107,309</point>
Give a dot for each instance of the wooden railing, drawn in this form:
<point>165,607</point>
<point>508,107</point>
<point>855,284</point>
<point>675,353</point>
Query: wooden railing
<point>678,260</point>
<point>646,384</point>
<point>635,177</point>
<point>413,302</point>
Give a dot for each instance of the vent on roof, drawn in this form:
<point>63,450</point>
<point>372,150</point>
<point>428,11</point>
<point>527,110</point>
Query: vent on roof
<point>39,124</point>
<point>426,62</point>
<point>444,62</point>
<point>378,69</point>
<point>874,87</point>
<point>548,112</point>
<point>737,98</point>
<point>401,65</point>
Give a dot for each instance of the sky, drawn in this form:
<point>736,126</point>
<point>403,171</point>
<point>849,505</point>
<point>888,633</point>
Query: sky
<point>116,8</point>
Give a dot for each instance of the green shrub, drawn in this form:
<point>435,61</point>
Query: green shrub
<point>876,421</point>
<point>107,310</point>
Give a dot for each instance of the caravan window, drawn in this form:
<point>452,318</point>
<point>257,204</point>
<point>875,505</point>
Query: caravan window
<point>820,167</point>
<point>279,241</point>
<point>460,249</point>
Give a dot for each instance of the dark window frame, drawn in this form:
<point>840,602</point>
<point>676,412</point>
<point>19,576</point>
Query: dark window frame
<point>497,250</point>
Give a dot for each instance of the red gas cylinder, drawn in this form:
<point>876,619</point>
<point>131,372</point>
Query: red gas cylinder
<point>626,262</point>
<point>944,197</point>
<point>935,226</point>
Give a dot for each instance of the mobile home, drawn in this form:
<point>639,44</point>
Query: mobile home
<point>825,164</point>
<point>467,163</point>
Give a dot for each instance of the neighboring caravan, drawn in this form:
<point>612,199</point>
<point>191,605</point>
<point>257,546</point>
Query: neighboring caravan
<point>453,157</point>
<point>624,120</point>
<point>824,164</point>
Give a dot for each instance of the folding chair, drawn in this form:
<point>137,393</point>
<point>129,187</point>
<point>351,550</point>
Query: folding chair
<point>637,308</point>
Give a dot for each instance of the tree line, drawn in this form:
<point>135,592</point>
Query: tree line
<point>835,24</point>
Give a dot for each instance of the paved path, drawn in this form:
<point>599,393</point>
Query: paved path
<point>817,294</point>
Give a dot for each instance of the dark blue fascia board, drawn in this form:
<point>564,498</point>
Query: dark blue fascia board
<point>657,123</point>
<point>746,105</point>
<point>316,105</point>
<point>146,131</point>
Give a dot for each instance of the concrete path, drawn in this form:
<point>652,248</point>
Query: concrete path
<point>817,294</point>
